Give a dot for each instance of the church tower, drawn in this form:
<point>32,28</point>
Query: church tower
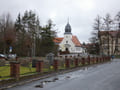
<point>69,42</point>
<point>68,29</point>
<point>68,34</point>
<point>67,37</point>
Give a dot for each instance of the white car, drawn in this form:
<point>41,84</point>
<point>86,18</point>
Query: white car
<point>2,55</point>
<point>12,56</point>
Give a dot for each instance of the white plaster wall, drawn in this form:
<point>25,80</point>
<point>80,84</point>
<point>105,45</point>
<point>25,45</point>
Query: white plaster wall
<point>72,48</point>
<point>79,50</point>
<point>67,37</point>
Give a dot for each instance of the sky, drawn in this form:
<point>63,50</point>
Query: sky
<point>81,13</point>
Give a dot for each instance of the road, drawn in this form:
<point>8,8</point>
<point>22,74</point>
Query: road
<point>97,77</point>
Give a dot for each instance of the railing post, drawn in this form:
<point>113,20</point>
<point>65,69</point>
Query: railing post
<point>39,66</point>
<point>76,62</point>
<point>88,59</point>
<point>109,58</point>
<point>100,59</point>
<point>97,59</point>
<point>55,65</point>
<point>92,60</point>
<point>67,62</point>
<point>83,61</point>
<point>104,59</point>
<point>15,69</point>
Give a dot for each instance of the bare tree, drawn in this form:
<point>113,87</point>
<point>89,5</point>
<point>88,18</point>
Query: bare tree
<point>96,39</point>
<point>117,20</point>
<point>107,26</point>
<point>97,27</point>
<point>7,31</point>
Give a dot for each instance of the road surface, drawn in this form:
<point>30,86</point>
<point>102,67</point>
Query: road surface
<point>97,77</point>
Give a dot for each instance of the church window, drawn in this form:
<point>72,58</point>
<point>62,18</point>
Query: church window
<point>66,49</point>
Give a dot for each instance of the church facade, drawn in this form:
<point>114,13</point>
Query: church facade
<point>69,42</point>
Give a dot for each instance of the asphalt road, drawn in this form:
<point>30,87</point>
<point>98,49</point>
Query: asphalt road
<point>98,77</point>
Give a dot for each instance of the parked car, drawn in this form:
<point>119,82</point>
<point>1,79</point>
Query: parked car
<point>2,56</point>
<point>12,56</point>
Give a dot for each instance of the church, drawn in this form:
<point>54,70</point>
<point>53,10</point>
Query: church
<point>69,42</point>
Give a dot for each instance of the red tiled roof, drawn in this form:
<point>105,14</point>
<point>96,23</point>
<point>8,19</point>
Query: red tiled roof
<point>58,40</point>
<point>76,41</point>
<point>112,33</point>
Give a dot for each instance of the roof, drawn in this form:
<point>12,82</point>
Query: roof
<point>112,33</point>
<point>76,41</point>
<point>58,40</point>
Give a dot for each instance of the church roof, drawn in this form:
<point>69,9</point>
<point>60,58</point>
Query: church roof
<point>76,41</point>
<point>58,39</point>
<point>112,33</point>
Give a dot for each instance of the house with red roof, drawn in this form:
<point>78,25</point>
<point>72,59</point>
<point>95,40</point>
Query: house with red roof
<point>69,42</point>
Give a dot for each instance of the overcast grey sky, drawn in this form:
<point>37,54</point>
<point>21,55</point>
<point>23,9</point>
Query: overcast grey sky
<point>81,13</point>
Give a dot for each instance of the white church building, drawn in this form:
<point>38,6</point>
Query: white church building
<point>69,42</point>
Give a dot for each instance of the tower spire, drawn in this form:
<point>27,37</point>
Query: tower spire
<point>68,19</point>
<point>68,28</point>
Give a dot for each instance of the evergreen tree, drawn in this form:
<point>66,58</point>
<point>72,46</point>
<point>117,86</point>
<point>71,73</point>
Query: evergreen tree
<point>26,26</point>
<point>47,35</point>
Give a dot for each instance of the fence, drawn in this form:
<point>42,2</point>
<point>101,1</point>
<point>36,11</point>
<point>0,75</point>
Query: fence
<point>21,67</point>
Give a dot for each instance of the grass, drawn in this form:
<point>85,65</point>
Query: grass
<point>72,65</point>
<point>117,56</point>
<point>5,71</point>
<point>27,70</point>
<point>61,67</point>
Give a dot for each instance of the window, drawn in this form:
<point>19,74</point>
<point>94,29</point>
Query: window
<point>66,49</point>
<point>66,41</point>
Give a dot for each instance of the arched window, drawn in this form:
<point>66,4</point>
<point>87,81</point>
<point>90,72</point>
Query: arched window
<point>66,49</point>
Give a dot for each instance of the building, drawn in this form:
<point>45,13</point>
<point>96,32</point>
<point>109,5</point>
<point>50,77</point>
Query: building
<point>91,48</point>
<point>69,42</point>
<point>110,42</point>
